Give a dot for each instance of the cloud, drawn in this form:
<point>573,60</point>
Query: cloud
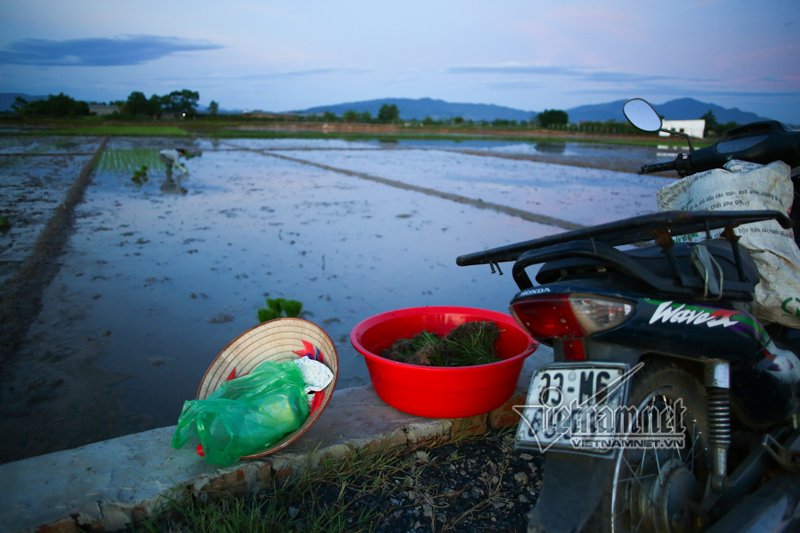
<point>516,69</point>
<point>578,73</point>
<point>98,52</point>
<point>282,75</point>
<point>320,71</point>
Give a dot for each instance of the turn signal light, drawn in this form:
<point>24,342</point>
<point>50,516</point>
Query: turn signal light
<point>599,314</point>
<point>570,316</point>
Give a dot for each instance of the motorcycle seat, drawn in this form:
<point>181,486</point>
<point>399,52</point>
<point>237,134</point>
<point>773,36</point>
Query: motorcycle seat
<point>678,274</point>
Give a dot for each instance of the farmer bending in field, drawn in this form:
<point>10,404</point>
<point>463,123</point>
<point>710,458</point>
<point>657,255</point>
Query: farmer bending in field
<point>173,159</point>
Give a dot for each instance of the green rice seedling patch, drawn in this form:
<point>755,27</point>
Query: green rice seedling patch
<point>279,307</point>
<point>129,160</point>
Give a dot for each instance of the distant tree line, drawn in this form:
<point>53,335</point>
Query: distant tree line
<point>179,104</point>
<point>554,119</point>
<point>183,104</point>
<point>715,128</point>
<point>59,105</point>
<point>387,114</point>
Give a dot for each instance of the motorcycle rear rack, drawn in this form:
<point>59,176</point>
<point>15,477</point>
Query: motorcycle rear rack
<point>599,242</point>
<point>681,284</point>
<point>630,231</point>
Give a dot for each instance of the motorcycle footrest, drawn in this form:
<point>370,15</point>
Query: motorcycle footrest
<point>788,459</point>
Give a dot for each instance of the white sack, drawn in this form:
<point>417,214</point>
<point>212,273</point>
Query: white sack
<point>742,185</point>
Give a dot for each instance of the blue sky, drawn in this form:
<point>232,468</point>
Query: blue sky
<point>527,54</point>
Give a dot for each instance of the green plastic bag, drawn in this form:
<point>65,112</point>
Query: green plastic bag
<point>245,415</point>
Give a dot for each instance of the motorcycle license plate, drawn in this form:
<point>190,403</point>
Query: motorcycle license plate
<point>573,407</point>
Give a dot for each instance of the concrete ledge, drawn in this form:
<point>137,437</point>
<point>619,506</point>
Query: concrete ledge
<point>110,484</point>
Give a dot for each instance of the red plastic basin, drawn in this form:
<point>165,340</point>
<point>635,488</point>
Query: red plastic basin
<point>439,392</point>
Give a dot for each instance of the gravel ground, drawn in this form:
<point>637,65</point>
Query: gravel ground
<point>476,485</point>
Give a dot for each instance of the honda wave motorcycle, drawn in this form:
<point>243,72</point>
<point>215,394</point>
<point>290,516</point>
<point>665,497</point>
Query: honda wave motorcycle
<point>668,406</point>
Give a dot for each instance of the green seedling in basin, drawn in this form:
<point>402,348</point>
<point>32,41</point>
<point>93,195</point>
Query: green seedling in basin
<point>469,344</point>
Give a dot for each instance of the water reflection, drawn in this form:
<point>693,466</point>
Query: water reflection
<point>668,152</point>
<point>551,147</point>
<point>172,185</point>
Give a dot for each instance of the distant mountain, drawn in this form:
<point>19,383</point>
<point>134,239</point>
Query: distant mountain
<point>687,108</point>
<point>419,109</point>
<point>680,109</point>
<point>8,99</point>
<point>597,112</point>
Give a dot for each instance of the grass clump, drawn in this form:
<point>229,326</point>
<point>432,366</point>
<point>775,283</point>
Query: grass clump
<point>472,343</point>
<point>279,307</point>
<point>339,495</point>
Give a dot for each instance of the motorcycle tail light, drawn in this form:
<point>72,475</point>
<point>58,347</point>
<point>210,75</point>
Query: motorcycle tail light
<point>547,317</point>
<point>569,316</point>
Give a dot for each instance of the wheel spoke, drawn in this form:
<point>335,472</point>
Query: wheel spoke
<point>658,467</point>
<point>695,435</point>
<point>638,478</point>
<point>640,488</point>
<point>641,477</point>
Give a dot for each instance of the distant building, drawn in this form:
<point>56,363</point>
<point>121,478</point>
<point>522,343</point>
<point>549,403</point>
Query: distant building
<point>692,128</point>
<point>103,109</point>
<point>267,115</point>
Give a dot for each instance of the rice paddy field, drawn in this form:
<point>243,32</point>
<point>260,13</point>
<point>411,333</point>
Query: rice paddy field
<point>159,272</point>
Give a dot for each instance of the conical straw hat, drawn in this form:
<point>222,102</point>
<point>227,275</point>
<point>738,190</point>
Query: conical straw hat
<point>274,340</point>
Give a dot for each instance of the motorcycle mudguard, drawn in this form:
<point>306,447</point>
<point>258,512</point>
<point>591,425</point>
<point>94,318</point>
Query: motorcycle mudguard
<point>572,486</point>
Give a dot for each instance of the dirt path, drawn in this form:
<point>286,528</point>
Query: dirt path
<point>29,385</point>
<point>22,293</point>
<point>602,163</point>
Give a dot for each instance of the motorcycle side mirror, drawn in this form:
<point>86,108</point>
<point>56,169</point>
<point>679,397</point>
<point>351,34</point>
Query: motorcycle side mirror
<point>641,114</point>
<point>644,117</point>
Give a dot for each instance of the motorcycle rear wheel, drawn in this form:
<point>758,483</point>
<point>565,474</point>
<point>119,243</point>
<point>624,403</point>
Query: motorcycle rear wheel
<point>659,489</point>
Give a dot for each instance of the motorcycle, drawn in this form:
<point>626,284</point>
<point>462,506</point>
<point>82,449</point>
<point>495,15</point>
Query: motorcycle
<point>668,406</point>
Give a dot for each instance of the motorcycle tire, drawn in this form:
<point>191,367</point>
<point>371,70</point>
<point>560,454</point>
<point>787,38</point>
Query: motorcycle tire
<point>652,489</point>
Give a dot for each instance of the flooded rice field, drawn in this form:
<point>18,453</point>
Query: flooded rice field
<point>158,275</point>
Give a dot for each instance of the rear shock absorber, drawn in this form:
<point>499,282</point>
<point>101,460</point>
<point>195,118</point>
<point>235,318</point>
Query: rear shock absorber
<point>717,381</point>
